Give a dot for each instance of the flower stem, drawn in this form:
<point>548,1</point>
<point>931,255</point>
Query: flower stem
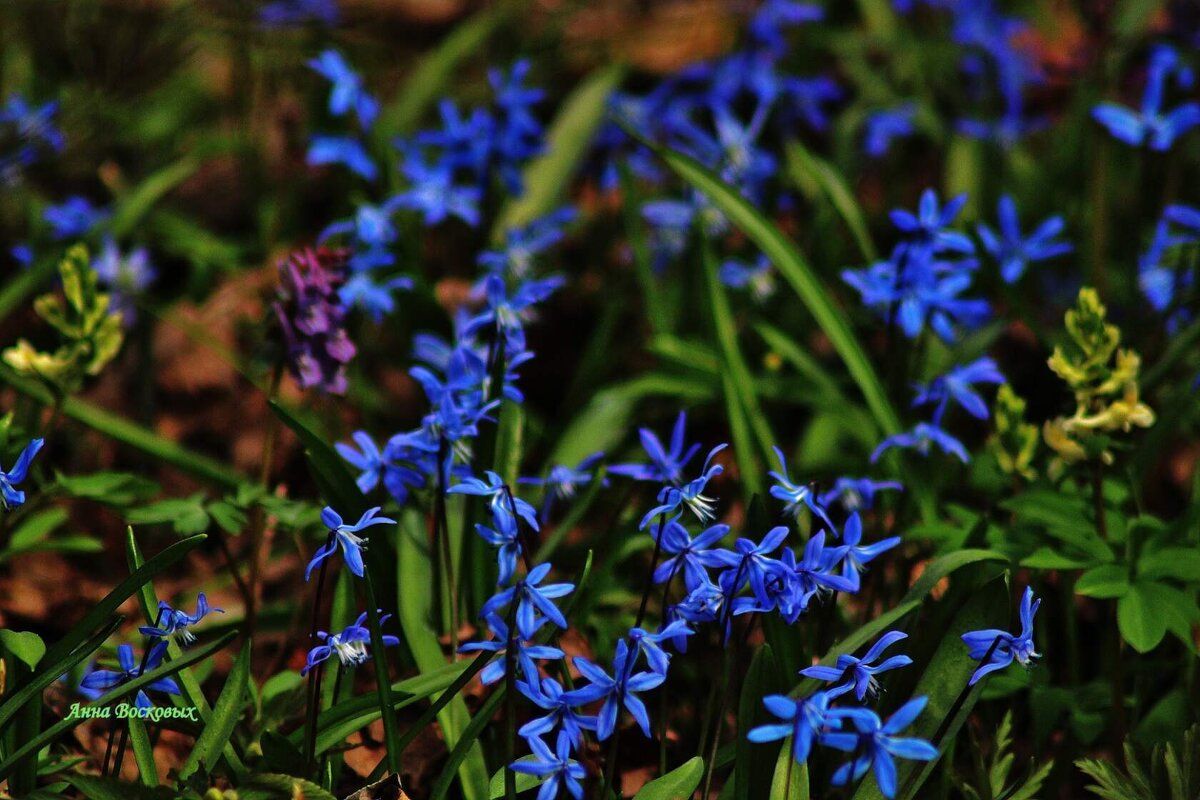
<point>441,530</point>
<point>258,520</point>
<point>510,702</point>
<point>314,674</point>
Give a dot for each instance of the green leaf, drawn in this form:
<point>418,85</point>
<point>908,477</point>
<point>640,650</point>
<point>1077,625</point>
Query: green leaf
<point>219,727</point>
<point>131,208</point>
<point>1047,558</point>
<point>50,734</point>
<point>943,680</point>
<point>186,515</point>
<point>525,781</point>
<point>114,488</point>
<point>1141,621</point>
<point>791,264</point>
<point>599,427</point>
<point>36,527</point>
<point>143,752</point>
<point>678,784</point>
<point>1180,563</point>
<point>270,786</point>
<point>468,739</point>
<point>835,188</point>
<point>1178,609</point>
<point>790,781</point>
<point>383,685</point>
<point>752,776</point>
<point>94,787</point>
<point>568,140</point>
<point>1105,581</point>
<point>24,645</point>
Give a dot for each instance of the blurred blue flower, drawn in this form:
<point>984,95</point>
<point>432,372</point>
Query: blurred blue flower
<point>126,276</point>
<point>283,13</point>
<point>25,132</point>
<point>101,680</point>
<point>859,673</point>
<point>174,622</point>
<point>325,149</point>
<point>350,645</point>
<point>1151,126</point>
<point>1008,647</point>
<point>772,16</point>
<point>10,496</point>
<point>346,538</point>
<point>882,127</point>
<point>557,768</point>
<point>758,277</point>
<point>803,720</point>
<point>796,495</point>
<point>929,228</point>
<point>1014,252</point>
<point>347,92</point>
<point>958,384</point>
<point>522,245</point>
<point>434,192</point>
<point>666,465</point>
<point>73,218</point>
<point>371,295</point>
<point>875,744</point>
<point>920,438</point>
<point>563,482</point>
<point>855,494</point>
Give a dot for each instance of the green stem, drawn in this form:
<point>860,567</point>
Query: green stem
<point>383,686</point>
<point>314,674</point>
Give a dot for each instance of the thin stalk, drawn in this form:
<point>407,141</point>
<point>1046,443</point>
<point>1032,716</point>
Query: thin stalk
<point>125,730</point>
<point>383,681</point>
<point>243,587</point>
<point>441,531</point>
<point>510,702</point>
<point>337,686</point>
<point>258,522</point>
<point>726,664</point>
<point>1118,665</point>
<point>314,674</point>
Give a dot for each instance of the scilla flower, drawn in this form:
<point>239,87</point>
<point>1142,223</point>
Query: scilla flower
<point>1008,647</point>
<point>173,622</point>
<point>690,495</point>
<point>859,673</point>
<point>105,679</point>
<point>350,645</point>
<point>795,495</point>
<point>803,720</point>
<point>876,744</point>
<point>344,536</point>
<point>556,768</point>
<point>11,497</point>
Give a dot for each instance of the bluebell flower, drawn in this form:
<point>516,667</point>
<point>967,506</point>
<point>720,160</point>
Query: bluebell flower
<point>73,218</point>
<point>689,556</point>
<point>1014,252</point>
<point>815,574</point>
<point>392,466</point>
<point>623,690</point>
<point>853,556</point>
<point>346,538</point>
<point>434,192</point>
<point>666,464</point>
<point>794,495</point>
<point>283,13</point>
<point>1161,279</point>
<point>126,276</point>
<point>531,598</point>
<point>10,496</point>
<point>371,295</point>
<point>884,126</point>
<point>350,645</point>
<point>753,562</point>
<point>806,98</point>
<point>347,92</point>
<point>803,720</point>
<point>876,744</point>
<point>507,540</point>
<point>549,696</point>
<point>557,768</point>
<point>518,135</point>
<point>498,494</point>
<point>563,482</point>
<point>705,602</point>
<point>958,385</point>
<point>101,680</point>
<point>509,312</point>
<point>522,245</point>
<point>690,495</point>
<point>174,622</point>
<point>759,278</point>
<point>929,228</point>
<point>523,657</point>
<point>859,673</point>
<point>1151,126</point>
<point>465,142</point>
<point>920,438</point>
<point>650,644</point>
<point>371,226</point>
<point>326,149</point>
<point>1009,647</point>
<point>855,494</point>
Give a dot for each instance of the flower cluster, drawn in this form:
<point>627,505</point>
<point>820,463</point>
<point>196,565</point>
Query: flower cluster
<point>312,318</point>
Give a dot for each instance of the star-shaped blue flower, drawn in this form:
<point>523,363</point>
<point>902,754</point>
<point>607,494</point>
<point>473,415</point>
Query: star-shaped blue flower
<point>1009,647</point>
<point>859,673</point>
<point>10,496</point>
<point>346,538</point>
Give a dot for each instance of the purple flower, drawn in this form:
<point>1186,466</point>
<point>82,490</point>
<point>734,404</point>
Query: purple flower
<point>313,318</point>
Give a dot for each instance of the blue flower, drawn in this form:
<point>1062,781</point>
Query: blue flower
<point>666,465</point>
<point>958,385</point>
<point>563,482</point>
<point>173,622</point>
<point>557,768</point>
<point>759,277</point>
<point>920,438</point>
<point>613,691</point>
<point>101,680</point>
<point>531,599</point>
<point>794,495</point>
<point>1014,252</point>
<point>283,13</point>
<point>690,495</point>
<point>371,295</point>
<point>434,192</point>
<point>508,312</point>
<point>25,131</point>
<point>350,645</point>
<point>813,571</point>
<point>803,720</point>
<point>885,125</point>
<point>347,91</point>
<point>508,540</point>
<point>344,536</point>
<point>127,276</point>
<point>877,744</point>
<point>73,218</point>
<point>371,226</point>
<point>752,562</point>
<point>854,557</point>
<point>394,465</point>
<point>856,494</point>
<point>549,696</point>
<point>11,497</point>
<point>1151,126</point>
<point>345,150</point>
<point>766,26</point>
<point>523,657</point>
<point>498,493</point>
<point>650,644</point>
<point>523,245</point>
<point>689,556</point>
<point>1008,647</point>
<point>929,227</point>
<point>859,673</point>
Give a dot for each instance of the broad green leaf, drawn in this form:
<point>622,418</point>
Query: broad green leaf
<point>568,140</point>
<point>525,782</point>
<point>1047,558</point>
<point>943,680</point>
<point>24,645</point>
<point>1142,623</point>
<point>219,727</point>
<point>36,527</point>
<point>791,264</point>
<point>790,781</point>
<point>271,786</point>
<point>185,514</point>
<point>1177,607</point>
<point>95,787</point>
<point>468,740</point>
<point>383,684</point>
<point>143,751</point>
<point>678,784</point>
<point>62,726</point>
<point>1180,563</point>
<point>1104,581</point>
<point>599,427</point>
<point>114,488</point>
